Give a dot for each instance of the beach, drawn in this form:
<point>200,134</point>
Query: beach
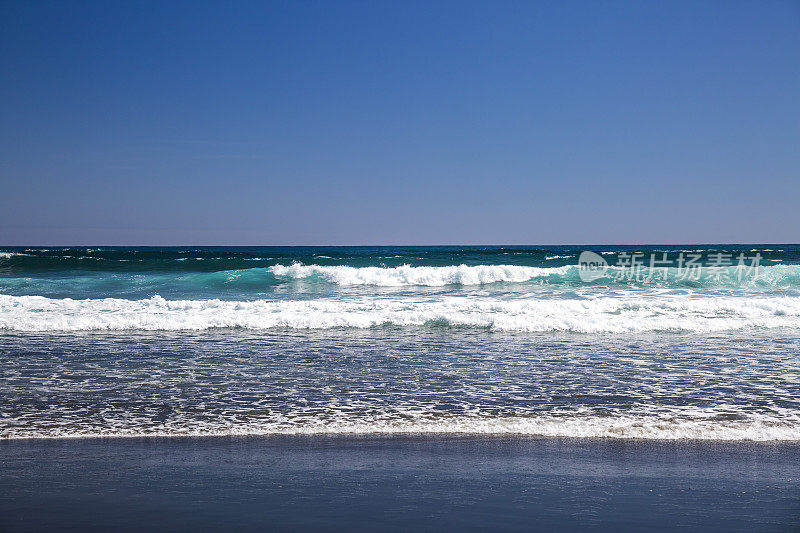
<point>395,388</point>
<point>428,483</point>
<point>399,266</point>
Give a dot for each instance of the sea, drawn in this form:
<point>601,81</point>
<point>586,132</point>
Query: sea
<point>697,342</point>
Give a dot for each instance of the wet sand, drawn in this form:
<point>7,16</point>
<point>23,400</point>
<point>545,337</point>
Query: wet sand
<point>397,483</point>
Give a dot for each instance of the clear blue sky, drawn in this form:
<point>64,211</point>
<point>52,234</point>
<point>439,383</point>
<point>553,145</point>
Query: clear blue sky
<point>399,123</point>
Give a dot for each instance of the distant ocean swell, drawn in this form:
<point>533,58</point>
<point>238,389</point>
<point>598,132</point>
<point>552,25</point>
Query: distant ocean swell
<point>666,313</point>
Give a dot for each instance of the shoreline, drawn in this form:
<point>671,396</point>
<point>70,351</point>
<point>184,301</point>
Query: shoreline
<point>432,435</point>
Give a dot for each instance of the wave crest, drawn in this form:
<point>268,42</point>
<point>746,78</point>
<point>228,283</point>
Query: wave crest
<point>420,275</point>
<point>596,315</point>
<point>437,276</point>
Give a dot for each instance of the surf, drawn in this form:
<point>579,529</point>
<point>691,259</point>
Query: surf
<point>601,315</point>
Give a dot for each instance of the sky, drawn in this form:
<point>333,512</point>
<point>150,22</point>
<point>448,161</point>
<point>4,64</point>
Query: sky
<point>319,123</point>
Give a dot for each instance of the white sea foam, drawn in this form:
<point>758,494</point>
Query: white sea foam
<point>438,276</point>
<point>651,427</point>
<point>656,312</point>
<point>420,275</point>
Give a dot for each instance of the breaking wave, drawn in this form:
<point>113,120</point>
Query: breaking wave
<point>406,275</point>
<point>666,313</point>
<point>421,275</point>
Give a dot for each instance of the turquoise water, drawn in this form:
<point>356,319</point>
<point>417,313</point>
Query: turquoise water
<point>508,289</point>
<point>250,272</point>
<point>449,340</point>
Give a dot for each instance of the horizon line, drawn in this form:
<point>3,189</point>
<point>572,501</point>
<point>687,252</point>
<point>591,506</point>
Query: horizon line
<point>394,245</point>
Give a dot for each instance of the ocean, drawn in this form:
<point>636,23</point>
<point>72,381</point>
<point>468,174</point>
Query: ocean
<point>428,341</point>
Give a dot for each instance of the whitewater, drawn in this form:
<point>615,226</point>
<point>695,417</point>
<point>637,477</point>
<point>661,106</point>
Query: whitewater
<point>121,342</point>
<point>664,313</point>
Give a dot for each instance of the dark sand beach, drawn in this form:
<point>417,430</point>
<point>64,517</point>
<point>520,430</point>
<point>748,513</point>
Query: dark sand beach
<point>399,266</point>
<point>397,483</point>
